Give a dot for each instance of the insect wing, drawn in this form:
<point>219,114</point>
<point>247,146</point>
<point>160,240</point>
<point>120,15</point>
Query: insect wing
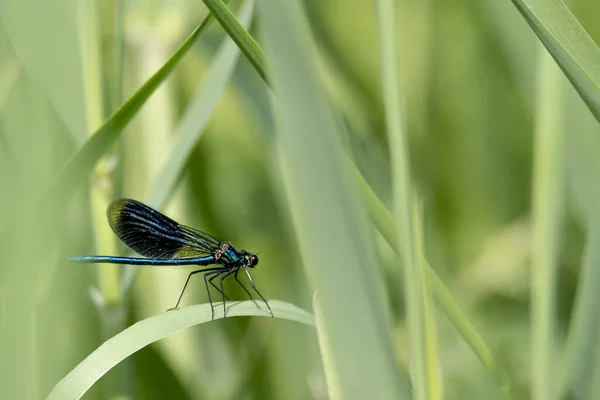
<point>154,235</point>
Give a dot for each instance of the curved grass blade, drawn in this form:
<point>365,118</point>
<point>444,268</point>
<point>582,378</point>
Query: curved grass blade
<point>78,167</point>
<point>152,329</point>
<point>569,44</point>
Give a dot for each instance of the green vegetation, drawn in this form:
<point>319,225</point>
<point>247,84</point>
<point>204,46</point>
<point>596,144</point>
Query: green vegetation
<point>419,180</point>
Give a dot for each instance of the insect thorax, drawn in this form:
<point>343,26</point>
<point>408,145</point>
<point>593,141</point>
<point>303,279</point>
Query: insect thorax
<point>226,254</point>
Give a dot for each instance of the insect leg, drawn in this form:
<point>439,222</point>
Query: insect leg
<point>188,280</point>
<point>223,290</point>
<point>256,290</point>
<point>241,284</point>
<point>184,286</point>
<point>216,287</point>
<point>212,308</point>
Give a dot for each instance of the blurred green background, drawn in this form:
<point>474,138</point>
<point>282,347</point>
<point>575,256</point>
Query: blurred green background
<point>469,86</point>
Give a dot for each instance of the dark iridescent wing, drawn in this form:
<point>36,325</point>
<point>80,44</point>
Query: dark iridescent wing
<point>154,235</point>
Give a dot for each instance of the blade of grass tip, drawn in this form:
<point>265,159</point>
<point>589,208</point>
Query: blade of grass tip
<point>191,126</point>
<point>432,366</point>
<point>79,166</point>
<point>240,36</point>
<point>331,230</point>
<point>546,221</point>
<point>152,329</point>
<point>402,190</point>
<point>569,44</point>
<point>384,222</point>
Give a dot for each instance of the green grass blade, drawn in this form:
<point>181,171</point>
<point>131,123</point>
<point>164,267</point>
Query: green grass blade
<point>546,210</point>
<point>331,377</point>
<point>79,166</point>
<point>112,15</point>
<point>240,36</point>
<point>383,220</point>
<point>198,112</point>
<point>402,197</point>
<point>152,329</point>
<point>432,366</point>
<point>329,224</point>
<point>583,163</point>
<point>569,44</point>
<point>580,363</point>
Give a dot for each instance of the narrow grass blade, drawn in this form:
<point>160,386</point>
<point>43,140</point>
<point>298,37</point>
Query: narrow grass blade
<point>580,362</point>
<point>401,188</point>
<point>198,112</point>
<point>432,371</point>
<point>546,209</point>
<point>569,44</point>
<point>384,222</point>
<point>83,161</point>
<point>152,329</point>
<point>329,224</point>
<point>240,36</point>
<point>580,365</point>
<point>331,376</point>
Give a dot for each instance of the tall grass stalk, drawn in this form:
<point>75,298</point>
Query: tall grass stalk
<point>402,195</point>
<point>547,217</point>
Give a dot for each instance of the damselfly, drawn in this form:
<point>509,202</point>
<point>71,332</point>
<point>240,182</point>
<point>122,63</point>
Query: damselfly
<point>164,242</point>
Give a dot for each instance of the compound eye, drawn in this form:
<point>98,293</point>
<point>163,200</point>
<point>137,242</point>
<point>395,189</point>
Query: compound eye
<point>253,260</point>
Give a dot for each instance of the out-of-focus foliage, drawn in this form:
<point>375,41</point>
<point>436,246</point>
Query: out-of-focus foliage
<point>468,81</point>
